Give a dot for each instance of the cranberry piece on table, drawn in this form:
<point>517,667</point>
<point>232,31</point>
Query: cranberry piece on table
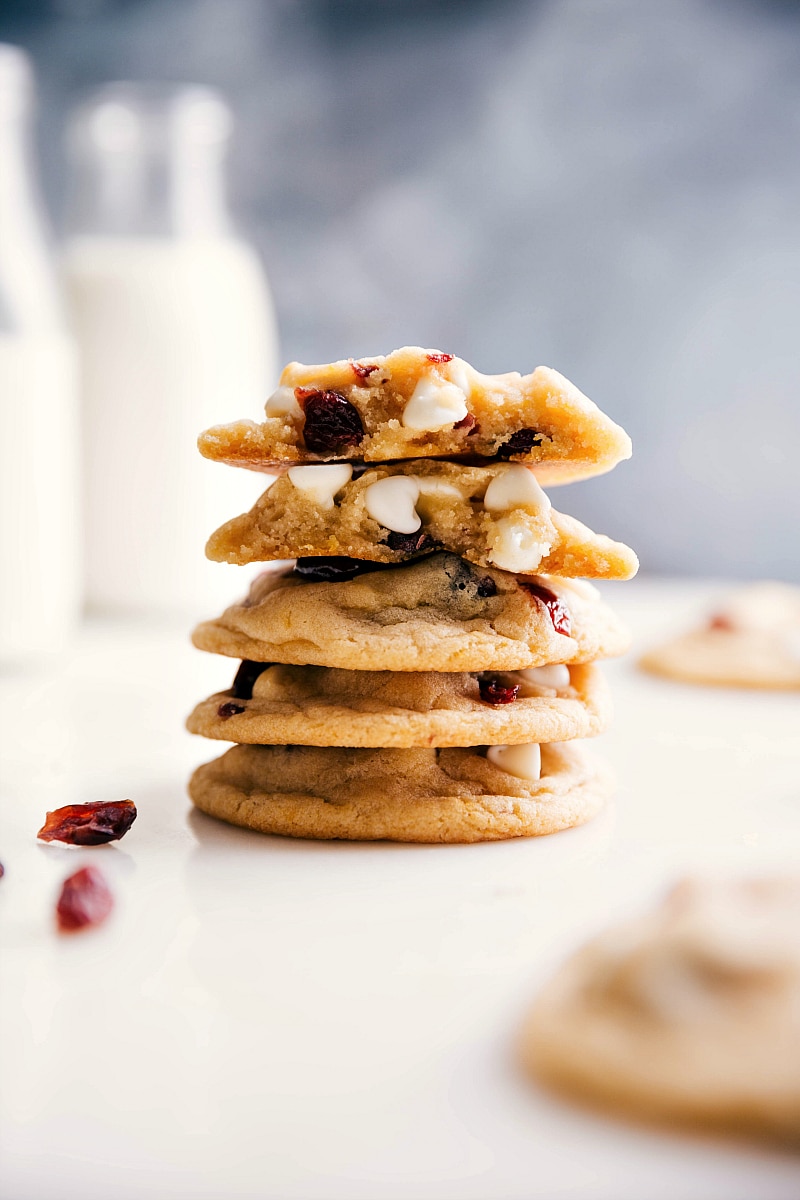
<point>85,899</point>
<point>557,609</point>
<point>494,692</point>
<point>721,621</point>
<point>332,422</point>
<point>89,824</point>
<point>520,443</point>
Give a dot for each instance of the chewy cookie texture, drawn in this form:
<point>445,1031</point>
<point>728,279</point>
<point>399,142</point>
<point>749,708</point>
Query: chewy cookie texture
<point>433,795</point>
<point>414,403</point>
<point>493,516</point>
<point>437,614</point>
<point>320,706</point>
<point>425,669</point>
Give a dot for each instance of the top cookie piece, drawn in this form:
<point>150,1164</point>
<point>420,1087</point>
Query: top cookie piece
<point>417,403</point>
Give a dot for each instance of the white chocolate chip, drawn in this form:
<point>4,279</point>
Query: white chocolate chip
<point>321,483</point>
<point>273,682</point>
<point>434,403</point>
<point>391,502</point>
<point>515,547</point>
<point>429,485</point>
<point>283,403</point>
<point>515,487</point>
<point>554,675</point>
<point>523,761</point>
<point>456,372</point>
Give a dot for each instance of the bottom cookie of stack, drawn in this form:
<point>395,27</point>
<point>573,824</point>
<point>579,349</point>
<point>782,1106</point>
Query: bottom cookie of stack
<point>410,795</point>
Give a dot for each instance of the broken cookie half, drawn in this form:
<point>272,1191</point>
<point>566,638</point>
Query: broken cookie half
<point>414,403</point>
<point>494,516</point>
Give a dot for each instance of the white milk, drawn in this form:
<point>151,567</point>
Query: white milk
<point>40,570</point>
<point>175,334</point>
<point>39,513</point>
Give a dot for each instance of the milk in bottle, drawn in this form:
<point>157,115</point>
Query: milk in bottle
<point>39,488</point>
<point>176,331</point>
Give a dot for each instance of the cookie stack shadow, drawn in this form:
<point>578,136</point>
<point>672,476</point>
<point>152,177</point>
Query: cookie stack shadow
<point>419,662</point>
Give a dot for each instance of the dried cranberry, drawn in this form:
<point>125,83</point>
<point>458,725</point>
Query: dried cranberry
<point>440,358</point>
<point>2,870</point>
<point>486,587</point>
<point>229,709</point>
<point>331,421</point>
<point>85,899</point>
<point>362,370</point>
<point>245,677</point>
<point>89,824</point>
<point>720,621</point>
<point>333,568</point>
<point>520,443</point>
<point>466,422</point>
<point>494,692</point>
<point>559,613</point>
<point>410,543</point>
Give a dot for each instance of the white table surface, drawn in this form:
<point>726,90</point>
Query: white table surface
<point>276,1019</point>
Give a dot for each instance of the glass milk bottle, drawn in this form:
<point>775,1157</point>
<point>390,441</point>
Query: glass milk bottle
<point>39,490</point>
<point>176,332</point>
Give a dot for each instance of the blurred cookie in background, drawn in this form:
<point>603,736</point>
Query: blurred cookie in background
<point>689,1015</point>
<point>752,640</point>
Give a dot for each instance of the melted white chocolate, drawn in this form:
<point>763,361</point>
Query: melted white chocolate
<point>321,483</point>
<point>391,501</point>
<point>515,547</point>
<point>515,487</point>
<point>283,403</point>
<point>553,675</point>
<point>434,403</point>
<point>525,762</point>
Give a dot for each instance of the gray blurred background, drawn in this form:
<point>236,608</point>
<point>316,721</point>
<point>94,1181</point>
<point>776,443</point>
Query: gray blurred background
<point>611,187</point>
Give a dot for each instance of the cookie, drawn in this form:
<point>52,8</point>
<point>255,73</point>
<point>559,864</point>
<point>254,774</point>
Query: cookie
<point>690,1015</point>
<point>320,706</point>
<point>753,641</point>
<point>417,403</point>
<point>436,614</point>
<point>423,795</point>
<point>494,516</point>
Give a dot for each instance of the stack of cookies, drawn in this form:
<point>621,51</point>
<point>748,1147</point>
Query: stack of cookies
<point>423,669</point>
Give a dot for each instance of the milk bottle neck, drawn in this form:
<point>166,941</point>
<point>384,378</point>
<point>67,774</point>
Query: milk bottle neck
<point>29,300</point>
<point>149,163</point>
